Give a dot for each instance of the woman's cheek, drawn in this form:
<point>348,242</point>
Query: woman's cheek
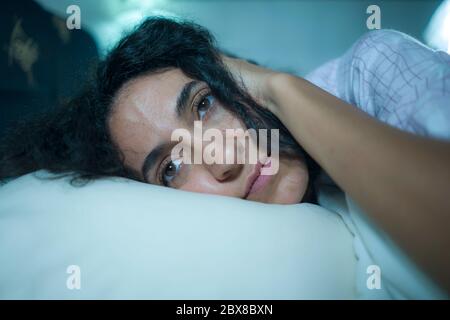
<point>222,119</point>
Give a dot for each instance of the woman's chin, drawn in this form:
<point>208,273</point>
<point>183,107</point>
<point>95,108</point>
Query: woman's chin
<point>288,195</point>
<point>291,186</point>
<point>287,199</point>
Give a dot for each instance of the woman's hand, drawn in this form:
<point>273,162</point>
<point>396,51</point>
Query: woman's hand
<point>256,80</point>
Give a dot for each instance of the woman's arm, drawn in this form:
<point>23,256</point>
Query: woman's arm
<point>401,180</point>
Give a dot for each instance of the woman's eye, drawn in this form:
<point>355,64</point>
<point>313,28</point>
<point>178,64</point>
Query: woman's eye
<point>204,106</point>
<point>170,171</point>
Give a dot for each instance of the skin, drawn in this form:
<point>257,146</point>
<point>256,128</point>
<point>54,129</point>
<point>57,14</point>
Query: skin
<point>399,179</point>
<point>143,117</point>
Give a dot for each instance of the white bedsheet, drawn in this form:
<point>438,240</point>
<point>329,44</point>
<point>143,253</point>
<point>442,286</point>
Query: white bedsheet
<point>400,277</point>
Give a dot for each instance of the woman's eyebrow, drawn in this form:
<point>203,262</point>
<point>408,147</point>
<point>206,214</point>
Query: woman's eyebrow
<point>185,94</point>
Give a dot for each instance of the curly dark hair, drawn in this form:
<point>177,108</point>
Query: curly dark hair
<point>74,139</point>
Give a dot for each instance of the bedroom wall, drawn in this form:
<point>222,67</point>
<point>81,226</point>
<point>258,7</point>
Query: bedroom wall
<point>290,35</point>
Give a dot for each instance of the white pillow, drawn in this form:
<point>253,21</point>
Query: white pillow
<point>132,240</point>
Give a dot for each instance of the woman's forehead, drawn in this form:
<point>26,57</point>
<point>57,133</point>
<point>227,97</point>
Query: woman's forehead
<point>149,100</point>
<point>151,95</point>
<point>144,111</point>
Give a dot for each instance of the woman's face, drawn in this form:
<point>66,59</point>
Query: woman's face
<point>145,115</point>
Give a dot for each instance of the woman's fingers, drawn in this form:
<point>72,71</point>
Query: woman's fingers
<point>252,78</point>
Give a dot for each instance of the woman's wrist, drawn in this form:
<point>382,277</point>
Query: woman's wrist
<point>277,85</point>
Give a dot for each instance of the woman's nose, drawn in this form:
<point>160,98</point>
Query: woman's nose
<point>226,164</point>
<point>225,172</point>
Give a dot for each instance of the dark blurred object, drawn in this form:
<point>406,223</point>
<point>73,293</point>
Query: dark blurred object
<point>42,62</point>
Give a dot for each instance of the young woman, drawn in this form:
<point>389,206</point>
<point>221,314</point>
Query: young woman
<point>376,120</point>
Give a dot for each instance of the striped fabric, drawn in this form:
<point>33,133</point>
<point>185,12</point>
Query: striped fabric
<point>394,78</point>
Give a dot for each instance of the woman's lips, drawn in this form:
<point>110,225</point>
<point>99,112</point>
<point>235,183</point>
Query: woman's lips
<point>256,181</point>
